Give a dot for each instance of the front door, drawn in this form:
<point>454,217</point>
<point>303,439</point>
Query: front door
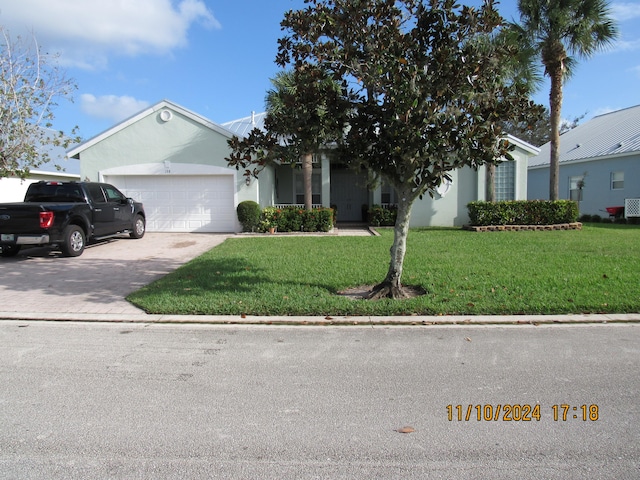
<point>349,193</point>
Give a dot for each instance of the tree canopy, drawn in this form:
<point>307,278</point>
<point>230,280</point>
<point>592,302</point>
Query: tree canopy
<point>426,91</point>
<point>305,111</point>
<point>30,85</point>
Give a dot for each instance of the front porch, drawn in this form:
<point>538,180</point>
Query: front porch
<point>333,186</point>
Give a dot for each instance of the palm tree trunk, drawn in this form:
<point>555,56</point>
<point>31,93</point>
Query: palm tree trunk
<point>490,188</point>
<point>555,105</point>
<point>307,175</point>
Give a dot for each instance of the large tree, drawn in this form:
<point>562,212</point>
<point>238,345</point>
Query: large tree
<point>426,92</point>
<point>560,30</point>
<point>30,85</point>
<point>305,111</point>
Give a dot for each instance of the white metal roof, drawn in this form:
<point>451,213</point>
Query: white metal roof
<point>243,126</point>
<point>609,135</point>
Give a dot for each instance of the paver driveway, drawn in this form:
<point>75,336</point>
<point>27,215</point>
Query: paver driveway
<point>40,280</point>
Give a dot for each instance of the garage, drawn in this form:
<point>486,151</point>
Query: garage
<point>182,203</point>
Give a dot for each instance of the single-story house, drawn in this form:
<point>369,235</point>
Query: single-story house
<point>173,160</point>
<point>599,163</point>
<point>13,189</point>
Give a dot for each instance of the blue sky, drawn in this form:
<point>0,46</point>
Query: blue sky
<point>215,57</point>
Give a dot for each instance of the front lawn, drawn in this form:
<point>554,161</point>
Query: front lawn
<point>595,270</point>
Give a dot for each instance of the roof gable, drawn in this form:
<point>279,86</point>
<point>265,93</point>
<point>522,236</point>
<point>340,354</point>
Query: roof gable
<point>609,135</point>
<point>164,104</point>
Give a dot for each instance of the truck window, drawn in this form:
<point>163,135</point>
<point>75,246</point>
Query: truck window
<point>97,196</point>
<point>113,194</point>
<point>54,192</point>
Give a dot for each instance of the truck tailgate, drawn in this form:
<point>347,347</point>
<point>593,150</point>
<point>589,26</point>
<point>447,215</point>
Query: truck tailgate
<point>20,218</point>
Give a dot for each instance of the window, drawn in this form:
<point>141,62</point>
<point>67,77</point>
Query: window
<point>505,181</point>
<point>388,194</point>
<point>113,195</point>
<point>617,180</point>
<point>575,190</point>
<point>316,188</point>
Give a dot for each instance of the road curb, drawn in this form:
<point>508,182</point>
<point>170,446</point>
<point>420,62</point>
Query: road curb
<point>328,320</point>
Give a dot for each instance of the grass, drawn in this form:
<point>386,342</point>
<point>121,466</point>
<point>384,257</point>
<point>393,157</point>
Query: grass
<point>595,270</point>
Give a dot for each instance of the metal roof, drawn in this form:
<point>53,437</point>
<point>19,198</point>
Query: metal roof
<point>243,126</point>
<point>609,135</point>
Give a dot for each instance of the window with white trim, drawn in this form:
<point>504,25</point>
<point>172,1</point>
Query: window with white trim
<point>617,180</point>
<point>575,192</point>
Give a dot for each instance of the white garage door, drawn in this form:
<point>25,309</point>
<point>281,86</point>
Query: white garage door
<point>182,203</point>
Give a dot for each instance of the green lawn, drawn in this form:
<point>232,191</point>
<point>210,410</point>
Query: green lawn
<point>595,270</point>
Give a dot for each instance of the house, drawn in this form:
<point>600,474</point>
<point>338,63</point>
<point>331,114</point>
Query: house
<point>334,185</point>
<point>13,189</point>
<point>599,163</point>
<point>173,160</point>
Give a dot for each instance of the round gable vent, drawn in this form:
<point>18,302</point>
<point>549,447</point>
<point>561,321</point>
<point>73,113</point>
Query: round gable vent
<point>166,115</point>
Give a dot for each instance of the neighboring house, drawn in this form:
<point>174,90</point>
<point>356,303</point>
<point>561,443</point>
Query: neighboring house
<point>12,189</point>
<point>599,163</point>
<point>173,160</point>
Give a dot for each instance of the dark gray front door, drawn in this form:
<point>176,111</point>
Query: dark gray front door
<point>349,193</point>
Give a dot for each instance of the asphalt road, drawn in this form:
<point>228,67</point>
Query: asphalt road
<point>165,401</point>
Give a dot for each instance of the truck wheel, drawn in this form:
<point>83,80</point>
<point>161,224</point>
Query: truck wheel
<point>9,250</point>
<point>74,241</point>
<point>139,227</point>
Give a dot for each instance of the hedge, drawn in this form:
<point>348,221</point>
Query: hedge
<point>382,217</point>
<point>523,212</point>
<point>295,219</point>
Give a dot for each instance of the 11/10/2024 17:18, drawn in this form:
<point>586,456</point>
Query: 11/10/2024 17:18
<point>520,412</point>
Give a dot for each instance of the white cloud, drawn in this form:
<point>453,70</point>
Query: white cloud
<point>111,107</point>
<point>88,32</point>
<point>627,45</point>
<point>622,11</point>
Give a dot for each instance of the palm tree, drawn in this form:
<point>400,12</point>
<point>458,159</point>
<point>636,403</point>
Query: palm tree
<point>277,101</point>
<point>303,109</point>
<point>558,30</point>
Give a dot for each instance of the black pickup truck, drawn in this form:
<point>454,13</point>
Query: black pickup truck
<point>68,215</point>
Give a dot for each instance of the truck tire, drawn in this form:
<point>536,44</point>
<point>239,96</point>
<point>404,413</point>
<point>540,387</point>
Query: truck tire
<point>74,241</point>
<point>139,227</point>
<point>9,251</point>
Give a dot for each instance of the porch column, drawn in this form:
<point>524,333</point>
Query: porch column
<point>325,172</point>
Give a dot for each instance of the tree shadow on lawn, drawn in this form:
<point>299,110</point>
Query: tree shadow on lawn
<point>230,275</point>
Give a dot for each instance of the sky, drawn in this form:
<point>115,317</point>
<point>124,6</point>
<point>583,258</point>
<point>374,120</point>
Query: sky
<point>215,57</point>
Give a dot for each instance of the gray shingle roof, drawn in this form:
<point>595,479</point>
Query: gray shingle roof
<point>609,135</point>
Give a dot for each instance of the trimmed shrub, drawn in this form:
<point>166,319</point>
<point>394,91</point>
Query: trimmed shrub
<point>295,219</point>
<point>522,212</point>
<point>382,217</point>
<point>248,215</point>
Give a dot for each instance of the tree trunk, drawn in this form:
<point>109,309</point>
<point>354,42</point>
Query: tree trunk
<point>307,174</point>
<point>392,287</point>
<point>555,106</point>
<point>490,192</point>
